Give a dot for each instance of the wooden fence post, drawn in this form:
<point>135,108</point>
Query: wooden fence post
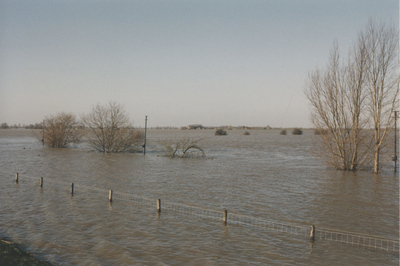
<point>110,195</point>
<point>225,219</point>
<point>72,189</point>
<point>41,182</point>
<point>16,178</point>
<point>312,233</point>
<point>159,205</point>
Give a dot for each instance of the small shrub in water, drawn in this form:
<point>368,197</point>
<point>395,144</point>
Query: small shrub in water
<point>246,133</point>
<point>297,131</point>
<point>283,132</point>
<point>220,132</point>
<point>320,131</point>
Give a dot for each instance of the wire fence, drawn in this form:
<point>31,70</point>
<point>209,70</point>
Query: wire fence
<point>269,225</point>
<point>142,201</point>
<point>191,210</point>
<point>368,241</point>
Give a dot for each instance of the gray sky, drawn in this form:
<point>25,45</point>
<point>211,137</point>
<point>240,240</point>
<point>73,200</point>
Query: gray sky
<point>179,62</point>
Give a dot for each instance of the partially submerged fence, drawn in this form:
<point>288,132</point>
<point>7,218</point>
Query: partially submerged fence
<point>369,241</point>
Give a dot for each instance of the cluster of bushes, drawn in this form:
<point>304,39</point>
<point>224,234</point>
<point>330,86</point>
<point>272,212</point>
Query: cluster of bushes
<point>106,128</point>
<point>295,131</point>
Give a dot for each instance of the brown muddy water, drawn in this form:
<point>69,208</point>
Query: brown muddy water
<point>263,175</point>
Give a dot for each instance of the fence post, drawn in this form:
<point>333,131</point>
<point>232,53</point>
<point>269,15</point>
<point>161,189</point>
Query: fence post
<point>312,233</point>
<point>110,196</point>
<point>72,189</point>
<point>225,219</point>
<point>16,178</point>
<point>41,182</point>
<point>159,205</point>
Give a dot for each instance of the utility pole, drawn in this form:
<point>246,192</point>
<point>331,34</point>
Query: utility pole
<point>395,141</point>
<point>43,133</point>
<point>145,132</point>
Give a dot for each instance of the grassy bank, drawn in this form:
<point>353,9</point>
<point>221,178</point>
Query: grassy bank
<point>11,254</point>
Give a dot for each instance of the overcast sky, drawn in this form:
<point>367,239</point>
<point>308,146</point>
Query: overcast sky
<point>179,62</point>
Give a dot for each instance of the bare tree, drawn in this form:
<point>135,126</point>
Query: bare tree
<point>336,97</point>
<point>182,148</point>
<point>109,129</point>
<point>348,99</point>
<point>61,130</point>
<point>381,42</point>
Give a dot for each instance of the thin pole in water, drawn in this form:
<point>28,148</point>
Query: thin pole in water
<point>145,132</point>
<point>225,218</point>
<point>43,133</point>
<point>312,233</point>
<point>110,194</point>
<point>395,142</point>
<point>159,205</point>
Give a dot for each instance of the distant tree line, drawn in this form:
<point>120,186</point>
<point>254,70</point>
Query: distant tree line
<point>30,126</point>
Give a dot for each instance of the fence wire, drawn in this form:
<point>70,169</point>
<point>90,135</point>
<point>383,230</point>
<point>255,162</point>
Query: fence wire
<point>269,225</point>
<point>186,209</point>
<point>125,197</point>
<point>90,190</point>
<point>369,241</point>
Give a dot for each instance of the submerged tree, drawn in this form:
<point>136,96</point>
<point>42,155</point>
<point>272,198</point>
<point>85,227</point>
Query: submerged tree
<point>182,148</point>
<point>61,130</point>
<point>342,93</point>
<point>109,129</point>
<point>336,97</point>
<point>382,75</point>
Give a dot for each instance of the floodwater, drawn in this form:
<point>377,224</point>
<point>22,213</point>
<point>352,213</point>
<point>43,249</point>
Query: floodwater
<point>264,175</point>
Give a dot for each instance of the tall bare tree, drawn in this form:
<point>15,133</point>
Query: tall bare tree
<point>381,42</point>
<point>60,130</point>
<point>110,130</point>
<point>349,99</point>
<point>337,98</point>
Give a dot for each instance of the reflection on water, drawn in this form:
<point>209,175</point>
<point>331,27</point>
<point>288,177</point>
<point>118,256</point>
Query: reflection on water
<point>264,175</point>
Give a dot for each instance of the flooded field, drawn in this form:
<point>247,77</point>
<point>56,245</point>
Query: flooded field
<point>263,175</point>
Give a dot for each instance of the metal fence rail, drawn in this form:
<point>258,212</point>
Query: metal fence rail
<point>369,241</point>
